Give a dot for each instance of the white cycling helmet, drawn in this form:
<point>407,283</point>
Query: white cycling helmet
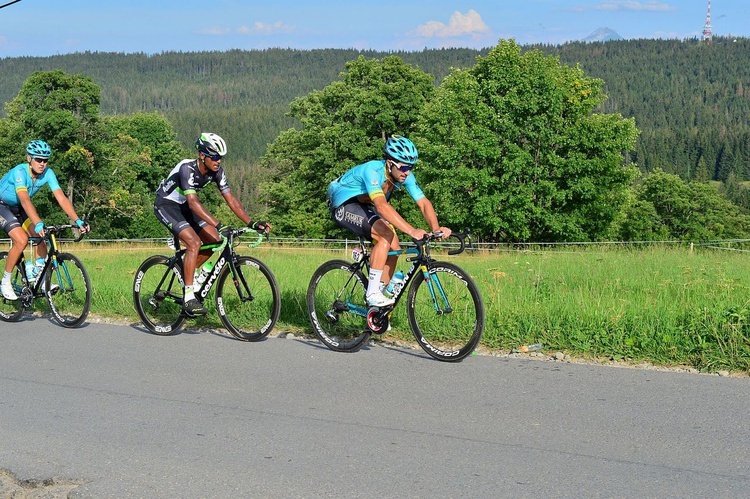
<point>211,144</point>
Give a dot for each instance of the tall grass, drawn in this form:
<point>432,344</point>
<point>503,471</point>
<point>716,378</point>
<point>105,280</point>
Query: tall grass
<point>669,306</point>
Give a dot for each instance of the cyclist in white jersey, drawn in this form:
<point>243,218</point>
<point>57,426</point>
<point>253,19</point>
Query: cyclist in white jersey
<point>18,217</point>
<point>359,202</point>
<point>177,206</point>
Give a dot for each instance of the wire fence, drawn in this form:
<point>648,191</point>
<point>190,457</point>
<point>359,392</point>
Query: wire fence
<point>312,244</point>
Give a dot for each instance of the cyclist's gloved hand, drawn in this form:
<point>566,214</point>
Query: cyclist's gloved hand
<point>39,228</point>
<point>260,226</point>
<point>222,230</point>
<point>83,226</point>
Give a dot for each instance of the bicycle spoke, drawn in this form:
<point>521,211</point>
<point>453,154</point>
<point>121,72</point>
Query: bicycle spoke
<point>157,295</point>
<point>11,310</point>
<point>336,306</point>
<point>68,290</point>
<point>250,305</point>
<point>446,312</point>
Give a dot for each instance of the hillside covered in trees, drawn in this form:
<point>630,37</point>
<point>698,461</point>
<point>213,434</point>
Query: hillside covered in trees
<point>690,100</point>
<point>685,101</point>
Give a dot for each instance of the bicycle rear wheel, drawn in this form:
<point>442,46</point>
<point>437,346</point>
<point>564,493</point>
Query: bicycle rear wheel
<point>68,290</point>
<point>336,306</point>
<point>158,294</point>
<point>12,310</point>
<point>250,306</point>
<point>446,312</point>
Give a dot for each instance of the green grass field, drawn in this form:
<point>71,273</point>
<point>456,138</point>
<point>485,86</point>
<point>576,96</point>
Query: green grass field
<point>667,306</point>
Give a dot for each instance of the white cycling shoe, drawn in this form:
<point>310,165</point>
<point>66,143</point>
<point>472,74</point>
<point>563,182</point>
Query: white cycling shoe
<point>7,289</point>
<point>378,299</point>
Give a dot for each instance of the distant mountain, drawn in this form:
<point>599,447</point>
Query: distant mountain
<point>602,35</point>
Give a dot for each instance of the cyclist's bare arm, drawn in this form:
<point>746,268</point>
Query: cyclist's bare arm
<point>428,211</point>
<point>28,207</point>
<point>390,214</point>
<point>235,205</point>
<point>199,210</point>
<point>67,207</point>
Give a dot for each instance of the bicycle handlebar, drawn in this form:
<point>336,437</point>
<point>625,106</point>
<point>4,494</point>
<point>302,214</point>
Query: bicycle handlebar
<point>232,232</point>
<point>431,236</point>
<point>56,229</point>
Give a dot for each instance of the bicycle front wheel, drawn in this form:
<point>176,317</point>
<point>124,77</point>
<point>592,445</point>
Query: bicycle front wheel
<point>68,290</point>
<point>12,310</point>
<point>158,294</point>
<point>336,306</point>
<point>250,305</point>
<point>446,312</point>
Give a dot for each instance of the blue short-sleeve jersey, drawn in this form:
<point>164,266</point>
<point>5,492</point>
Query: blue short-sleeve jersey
<point>368,178</point>
<point>19,179</point>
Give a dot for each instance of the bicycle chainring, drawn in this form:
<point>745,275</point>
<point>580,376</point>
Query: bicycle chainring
<point>377,319</point>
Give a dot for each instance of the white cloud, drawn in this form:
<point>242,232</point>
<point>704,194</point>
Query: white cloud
<point>261,28</point>
<point>633,5</point>
<point>459,25</point>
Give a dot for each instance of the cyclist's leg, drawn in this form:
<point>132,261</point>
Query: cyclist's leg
<point>175,217</point>
<point>41,246</point>
<point>208,235</point>
<point>20,239</point>
<point>362,220</point>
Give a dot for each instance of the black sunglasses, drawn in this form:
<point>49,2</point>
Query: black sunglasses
<point>213,157</point>
<point>41,160</point>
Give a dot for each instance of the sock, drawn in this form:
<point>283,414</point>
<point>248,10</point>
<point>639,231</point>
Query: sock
<point>373,285</point>
<point>189,294</point>
<point>6,277</point>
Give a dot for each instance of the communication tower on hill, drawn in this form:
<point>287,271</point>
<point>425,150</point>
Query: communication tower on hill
<point>707,28</point>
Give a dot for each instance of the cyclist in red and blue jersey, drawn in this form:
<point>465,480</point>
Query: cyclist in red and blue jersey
<point>18,217</point>
<point>177,206</point>
<point>359,202</point>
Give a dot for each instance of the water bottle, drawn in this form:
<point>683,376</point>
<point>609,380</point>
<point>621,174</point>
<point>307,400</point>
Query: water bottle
<point>394,287</point>
<point>202,274</point>
<point>33,269</point>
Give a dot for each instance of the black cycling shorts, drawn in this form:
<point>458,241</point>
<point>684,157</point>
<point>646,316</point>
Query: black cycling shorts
<point>178,217</point>
<point>11,217</point>
<point>356,217</point>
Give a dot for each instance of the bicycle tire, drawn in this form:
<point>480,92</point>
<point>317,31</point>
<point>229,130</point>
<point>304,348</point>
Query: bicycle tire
<point>249,307</point>
<point>449,334</point>
<point>68,290</point>
<point>12,310</point>
<point>336,306</point>
<point>158,295</point>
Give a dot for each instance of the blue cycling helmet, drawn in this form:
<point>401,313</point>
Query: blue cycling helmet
<point>39,149</point>
<point>401,149</point>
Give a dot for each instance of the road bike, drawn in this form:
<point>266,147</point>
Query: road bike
<point>444,306</point>
<point>63,281</point>
<point>248,299</point>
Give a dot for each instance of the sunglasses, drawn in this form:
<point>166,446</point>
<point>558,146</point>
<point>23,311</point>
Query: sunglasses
<point>404,168</point>
<point>41,160</point>
<point>215,157</point>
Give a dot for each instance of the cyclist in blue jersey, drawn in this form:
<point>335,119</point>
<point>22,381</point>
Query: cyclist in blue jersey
<point>18,217</point>
<point>177,206</point>
<point>359,202</point>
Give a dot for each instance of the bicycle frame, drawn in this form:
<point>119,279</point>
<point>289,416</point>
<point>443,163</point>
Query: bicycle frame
<point>226,257</point>
<point>420,262</point>
<point>36,291</point>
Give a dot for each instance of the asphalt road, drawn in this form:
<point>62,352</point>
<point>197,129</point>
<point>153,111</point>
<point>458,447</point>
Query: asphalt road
<point>127,414</point>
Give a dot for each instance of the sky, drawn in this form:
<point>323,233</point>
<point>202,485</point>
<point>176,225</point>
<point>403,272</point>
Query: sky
<point>53,27</point>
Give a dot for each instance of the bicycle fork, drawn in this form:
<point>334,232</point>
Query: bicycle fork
<point>436,289</point>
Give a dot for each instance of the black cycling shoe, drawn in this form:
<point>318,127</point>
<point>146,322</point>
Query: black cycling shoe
<point>194,307</point>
